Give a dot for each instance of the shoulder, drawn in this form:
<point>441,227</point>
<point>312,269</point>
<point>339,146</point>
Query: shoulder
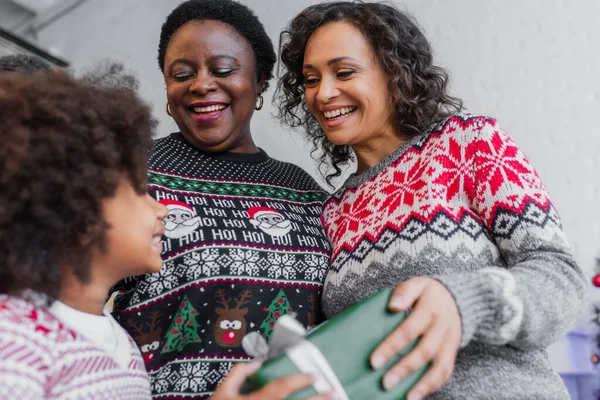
<point>465,126</point>
<point>33,320</point>
<point>163,144</point>
<point>34,334</point>
<point>469,135</point>
<point>296,177</point>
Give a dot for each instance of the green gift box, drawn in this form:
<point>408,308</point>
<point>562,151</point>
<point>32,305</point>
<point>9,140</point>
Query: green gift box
<point>345,343</point>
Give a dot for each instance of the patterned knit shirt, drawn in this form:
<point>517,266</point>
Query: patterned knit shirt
<point>462,204</point>
<point>243,245</point>
<point>40,358</point>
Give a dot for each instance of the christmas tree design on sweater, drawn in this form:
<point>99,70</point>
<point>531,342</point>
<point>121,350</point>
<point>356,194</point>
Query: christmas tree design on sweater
<point>278,307</point>
<point>184,328</point>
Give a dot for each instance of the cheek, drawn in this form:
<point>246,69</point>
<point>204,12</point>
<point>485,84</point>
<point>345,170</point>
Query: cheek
<point>174,93</point>
<point>241,88</point>
<point>309,99</point>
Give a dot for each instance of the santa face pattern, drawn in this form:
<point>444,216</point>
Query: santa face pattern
<point>258,251</point>
<point>181,220</point>
<point>270,221</point>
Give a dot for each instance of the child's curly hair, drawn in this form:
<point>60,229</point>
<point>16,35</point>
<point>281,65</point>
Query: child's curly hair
<point>64,146</point>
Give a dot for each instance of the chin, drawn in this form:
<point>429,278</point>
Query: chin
<point>154,267</point>
<point>339,139</point>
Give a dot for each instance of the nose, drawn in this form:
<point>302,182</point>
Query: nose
<point>203,83</point>
<point>327,90</point>
<point>160,209</point>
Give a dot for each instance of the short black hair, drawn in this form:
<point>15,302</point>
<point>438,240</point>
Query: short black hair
<point>65,145</point>
<point>22,63</point>
<point>230,12</point>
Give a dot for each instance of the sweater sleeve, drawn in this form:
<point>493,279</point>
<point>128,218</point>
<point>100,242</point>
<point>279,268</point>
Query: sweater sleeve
<point>540,293</point>
<point>22,373</point>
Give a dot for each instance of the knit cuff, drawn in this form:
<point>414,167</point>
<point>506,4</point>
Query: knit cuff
<point>475,300</point>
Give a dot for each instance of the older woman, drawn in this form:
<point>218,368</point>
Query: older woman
<point>443,206</point>
<point>243,242</point>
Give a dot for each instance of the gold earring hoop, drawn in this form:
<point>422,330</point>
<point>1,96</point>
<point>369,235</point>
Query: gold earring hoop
<point>260,102</point>
<point>168,109</point>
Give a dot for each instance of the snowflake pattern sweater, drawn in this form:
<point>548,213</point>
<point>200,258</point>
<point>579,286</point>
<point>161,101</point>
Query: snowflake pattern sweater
<point>462,204</point>
<point>243,245</point>
<point>40,358</point>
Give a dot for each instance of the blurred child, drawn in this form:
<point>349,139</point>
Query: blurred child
<point>75,218</point>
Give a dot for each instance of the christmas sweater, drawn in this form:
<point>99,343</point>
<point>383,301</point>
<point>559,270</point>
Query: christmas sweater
<point>243,245</point>
<point>462,204</point>
<point>40,358</point>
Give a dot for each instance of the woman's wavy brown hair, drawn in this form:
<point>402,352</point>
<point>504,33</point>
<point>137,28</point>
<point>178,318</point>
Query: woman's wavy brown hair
<point>418,88</point>
<point>65,145</point>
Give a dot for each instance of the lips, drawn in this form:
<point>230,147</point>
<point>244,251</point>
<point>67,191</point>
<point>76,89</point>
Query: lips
<point>207,111</point>
<point>332,114</point>
<point>207,107</point>
<point>157,239</point>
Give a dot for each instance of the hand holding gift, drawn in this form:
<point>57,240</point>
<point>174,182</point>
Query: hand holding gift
<point>436,320</point>
<point>276,390</point>
<point>337,353</point>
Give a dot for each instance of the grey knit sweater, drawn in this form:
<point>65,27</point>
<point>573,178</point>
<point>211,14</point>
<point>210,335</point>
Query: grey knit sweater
<point>462,204</point>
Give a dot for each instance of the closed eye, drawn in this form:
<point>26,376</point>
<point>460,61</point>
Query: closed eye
<point>183,76</point>
<point>345,73</point>
<point>222,72</point>
<point>311,81</point>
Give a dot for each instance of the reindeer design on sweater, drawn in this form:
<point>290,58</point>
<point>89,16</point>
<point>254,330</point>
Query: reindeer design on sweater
<point>148,341</point>
<point>230,327</point>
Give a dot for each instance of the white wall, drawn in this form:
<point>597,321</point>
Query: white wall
<point>530,63</point>
<point>11,14</point>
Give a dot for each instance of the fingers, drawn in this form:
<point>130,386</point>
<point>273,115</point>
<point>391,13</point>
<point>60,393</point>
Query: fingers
<point>407,293</point>
<point>437,376</point>
<point>283,387</point>
<point>412,327</point>
<point>326,396</point>
<point>232,384</point>
<point>276,390</point>
<point>425,351</point>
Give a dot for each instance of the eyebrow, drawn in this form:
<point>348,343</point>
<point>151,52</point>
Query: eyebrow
<point>212,58</point>
<point>330,62</point>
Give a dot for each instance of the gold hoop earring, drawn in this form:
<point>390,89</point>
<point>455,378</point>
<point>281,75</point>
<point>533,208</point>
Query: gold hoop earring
<point>168,109</point>
<point>260,102</point>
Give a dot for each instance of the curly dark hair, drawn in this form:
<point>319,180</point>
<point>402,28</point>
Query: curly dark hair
<point>22,63</point>
<point>230,12</point>
<point>417,86</point>
<point>65,145</point>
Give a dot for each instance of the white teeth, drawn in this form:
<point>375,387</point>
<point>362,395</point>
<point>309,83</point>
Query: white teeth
<point>338,112</point>
<point>216,107</point>
<point>156,240</point>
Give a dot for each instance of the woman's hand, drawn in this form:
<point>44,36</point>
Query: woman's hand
<point>435,318</point>
<point>276,390</point>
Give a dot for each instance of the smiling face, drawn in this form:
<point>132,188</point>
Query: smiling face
<point>212,86</point>
<point>134,234</point>
<point>346,89</point>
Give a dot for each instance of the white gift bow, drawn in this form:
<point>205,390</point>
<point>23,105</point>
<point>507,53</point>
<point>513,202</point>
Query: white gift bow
<point>288,337</point>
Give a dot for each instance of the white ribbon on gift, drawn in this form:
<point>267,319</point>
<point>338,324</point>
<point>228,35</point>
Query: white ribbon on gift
<point>289,337</point>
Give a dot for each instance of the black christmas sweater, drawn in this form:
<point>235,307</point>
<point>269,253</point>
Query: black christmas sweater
<point>243,245</point>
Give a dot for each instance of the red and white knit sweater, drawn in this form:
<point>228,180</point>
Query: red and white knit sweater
<point>462,204</point>
<point>40,358</point>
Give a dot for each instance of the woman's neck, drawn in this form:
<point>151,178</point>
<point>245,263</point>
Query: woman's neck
<point>371,153</point>
<point>241,145</point>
